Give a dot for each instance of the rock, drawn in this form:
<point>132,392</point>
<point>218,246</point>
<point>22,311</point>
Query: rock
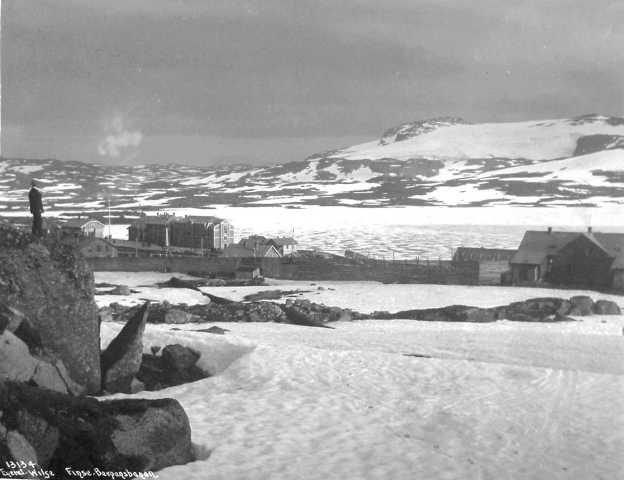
<point>20,449</point>
<point>179,357</point>
<point>136,386</point>
<point>40,434</point>
<point>157,374</point>
<point>10,318</point>
<point>298,316</point>
<point>52,285</point>
<point>606,307</point>
<point>160,434</point>
<point>47,376</point>
<point>216,282</point>
<point>122,358</point>
<point>538,308</point>
<point>72,387</point>
<point>176,315</point>
<point>16,362</point>
<point>120,290</point>
<point>105,314</point>
<point>175,282</point>
<point>58,430</point>
<point>582,305</point>
<point>452,313</point>
<point>214,329</point>
<point>30,336</point>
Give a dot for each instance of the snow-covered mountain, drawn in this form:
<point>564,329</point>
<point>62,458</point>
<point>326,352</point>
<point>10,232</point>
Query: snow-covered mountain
<point>445,161</point>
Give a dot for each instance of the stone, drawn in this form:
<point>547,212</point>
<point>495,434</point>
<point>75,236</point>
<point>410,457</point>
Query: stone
<point>21,450</point>
<point>16,362</point>
<point>582,305</point>
<point>120,290</point>
<point>10,318</point>
<point>216,282</point>
<point>136,386</point>
<point>157,374</point>
<point>30,336</point>
<point>47,376</point>
<point>176,315</point>
<point>161,434</point>
<point>39,433</point>
<point>179,357</point>
<point>85,433</point>
<point>122,358</point>
<point>72,387</point>
<point>606,307</point>
<point>214,329</point>
<point>538,308</point>
<point>105,314</point>
<point>52,285</point>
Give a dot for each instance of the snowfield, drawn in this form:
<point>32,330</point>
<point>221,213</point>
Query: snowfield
<point>502,400</point>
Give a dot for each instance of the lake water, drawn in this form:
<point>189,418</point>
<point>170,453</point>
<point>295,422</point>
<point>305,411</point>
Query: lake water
<point>404,233</point>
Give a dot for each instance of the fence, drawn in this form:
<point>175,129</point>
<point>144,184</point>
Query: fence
<point>313,268</point>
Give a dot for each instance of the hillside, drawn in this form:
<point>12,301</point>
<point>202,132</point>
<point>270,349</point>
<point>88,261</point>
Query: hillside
<point>578,161</point>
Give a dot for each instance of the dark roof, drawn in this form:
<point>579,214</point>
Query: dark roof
<point>281,241</point>
<point>613,243</point>
<point>537,245</point>
<point>202,219</point>
<point>156,219</point>
<point>474,253</point>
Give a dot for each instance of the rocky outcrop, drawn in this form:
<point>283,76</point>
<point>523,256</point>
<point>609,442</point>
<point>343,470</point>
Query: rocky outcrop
<point>582,305</point>
<point>606,307</point>
<point>122,358</point>
<point>18,364</point>
<point>176,365</point>
<point>52,286</point>
<point>57,431</point>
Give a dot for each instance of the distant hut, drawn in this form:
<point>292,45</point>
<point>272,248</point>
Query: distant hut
<point>492,262</point>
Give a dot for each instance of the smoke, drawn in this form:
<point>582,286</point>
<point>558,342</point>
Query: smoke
<point>120,142</point>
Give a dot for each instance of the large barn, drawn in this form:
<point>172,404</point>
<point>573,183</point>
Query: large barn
<point>581,259</point>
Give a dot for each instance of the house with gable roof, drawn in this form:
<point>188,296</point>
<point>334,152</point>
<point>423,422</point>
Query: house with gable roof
<point>581,259</point>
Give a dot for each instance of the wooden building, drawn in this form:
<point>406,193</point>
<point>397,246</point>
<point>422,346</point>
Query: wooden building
<point>284,245</point>
<point>82,227</point>
<point>204,233</point>
<point>260,251</point>
<point>493,263</point>
<point>580,259</point>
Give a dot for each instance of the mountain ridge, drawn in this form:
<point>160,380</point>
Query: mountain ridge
<point>443,161</point>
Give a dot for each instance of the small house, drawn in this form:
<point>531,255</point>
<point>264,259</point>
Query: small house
<point>284,245</point>
<point>247,272</point>
<point>83,227</point>
<point>492,262</point>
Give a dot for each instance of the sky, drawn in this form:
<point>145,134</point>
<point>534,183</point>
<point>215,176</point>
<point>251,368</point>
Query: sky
<point>211,82</point>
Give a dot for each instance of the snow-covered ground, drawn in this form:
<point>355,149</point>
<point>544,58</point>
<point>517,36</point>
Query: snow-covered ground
<point>503,400</point>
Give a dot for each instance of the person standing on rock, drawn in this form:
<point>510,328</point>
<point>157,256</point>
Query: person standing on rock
<point>36,208</point>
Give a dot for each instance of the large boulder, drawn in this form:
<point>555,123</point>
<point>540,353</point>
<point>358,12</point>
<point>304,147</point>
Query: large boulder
<point>52,285</point>
<point>582,305</point>
<point>83,433</point>
<point>179,357</point>
<point>122,358</point>
<point>175,367</point>
<point>606,307</point>
<point>452,313</point>
<point>535,309</point>
<point>175,315</point>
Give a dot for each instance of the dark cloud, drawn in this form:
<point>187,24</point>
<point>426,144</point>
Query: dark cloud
<point>265,71</point>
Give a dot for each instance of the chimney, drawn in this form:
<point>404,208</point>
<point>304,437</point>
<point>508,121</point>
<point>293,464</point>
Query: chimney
<point>589,230</point>
<point>549,229</point>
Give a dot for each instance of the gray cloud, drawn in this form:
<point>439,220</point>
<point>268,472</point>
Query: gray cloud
<point>274,69</point>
